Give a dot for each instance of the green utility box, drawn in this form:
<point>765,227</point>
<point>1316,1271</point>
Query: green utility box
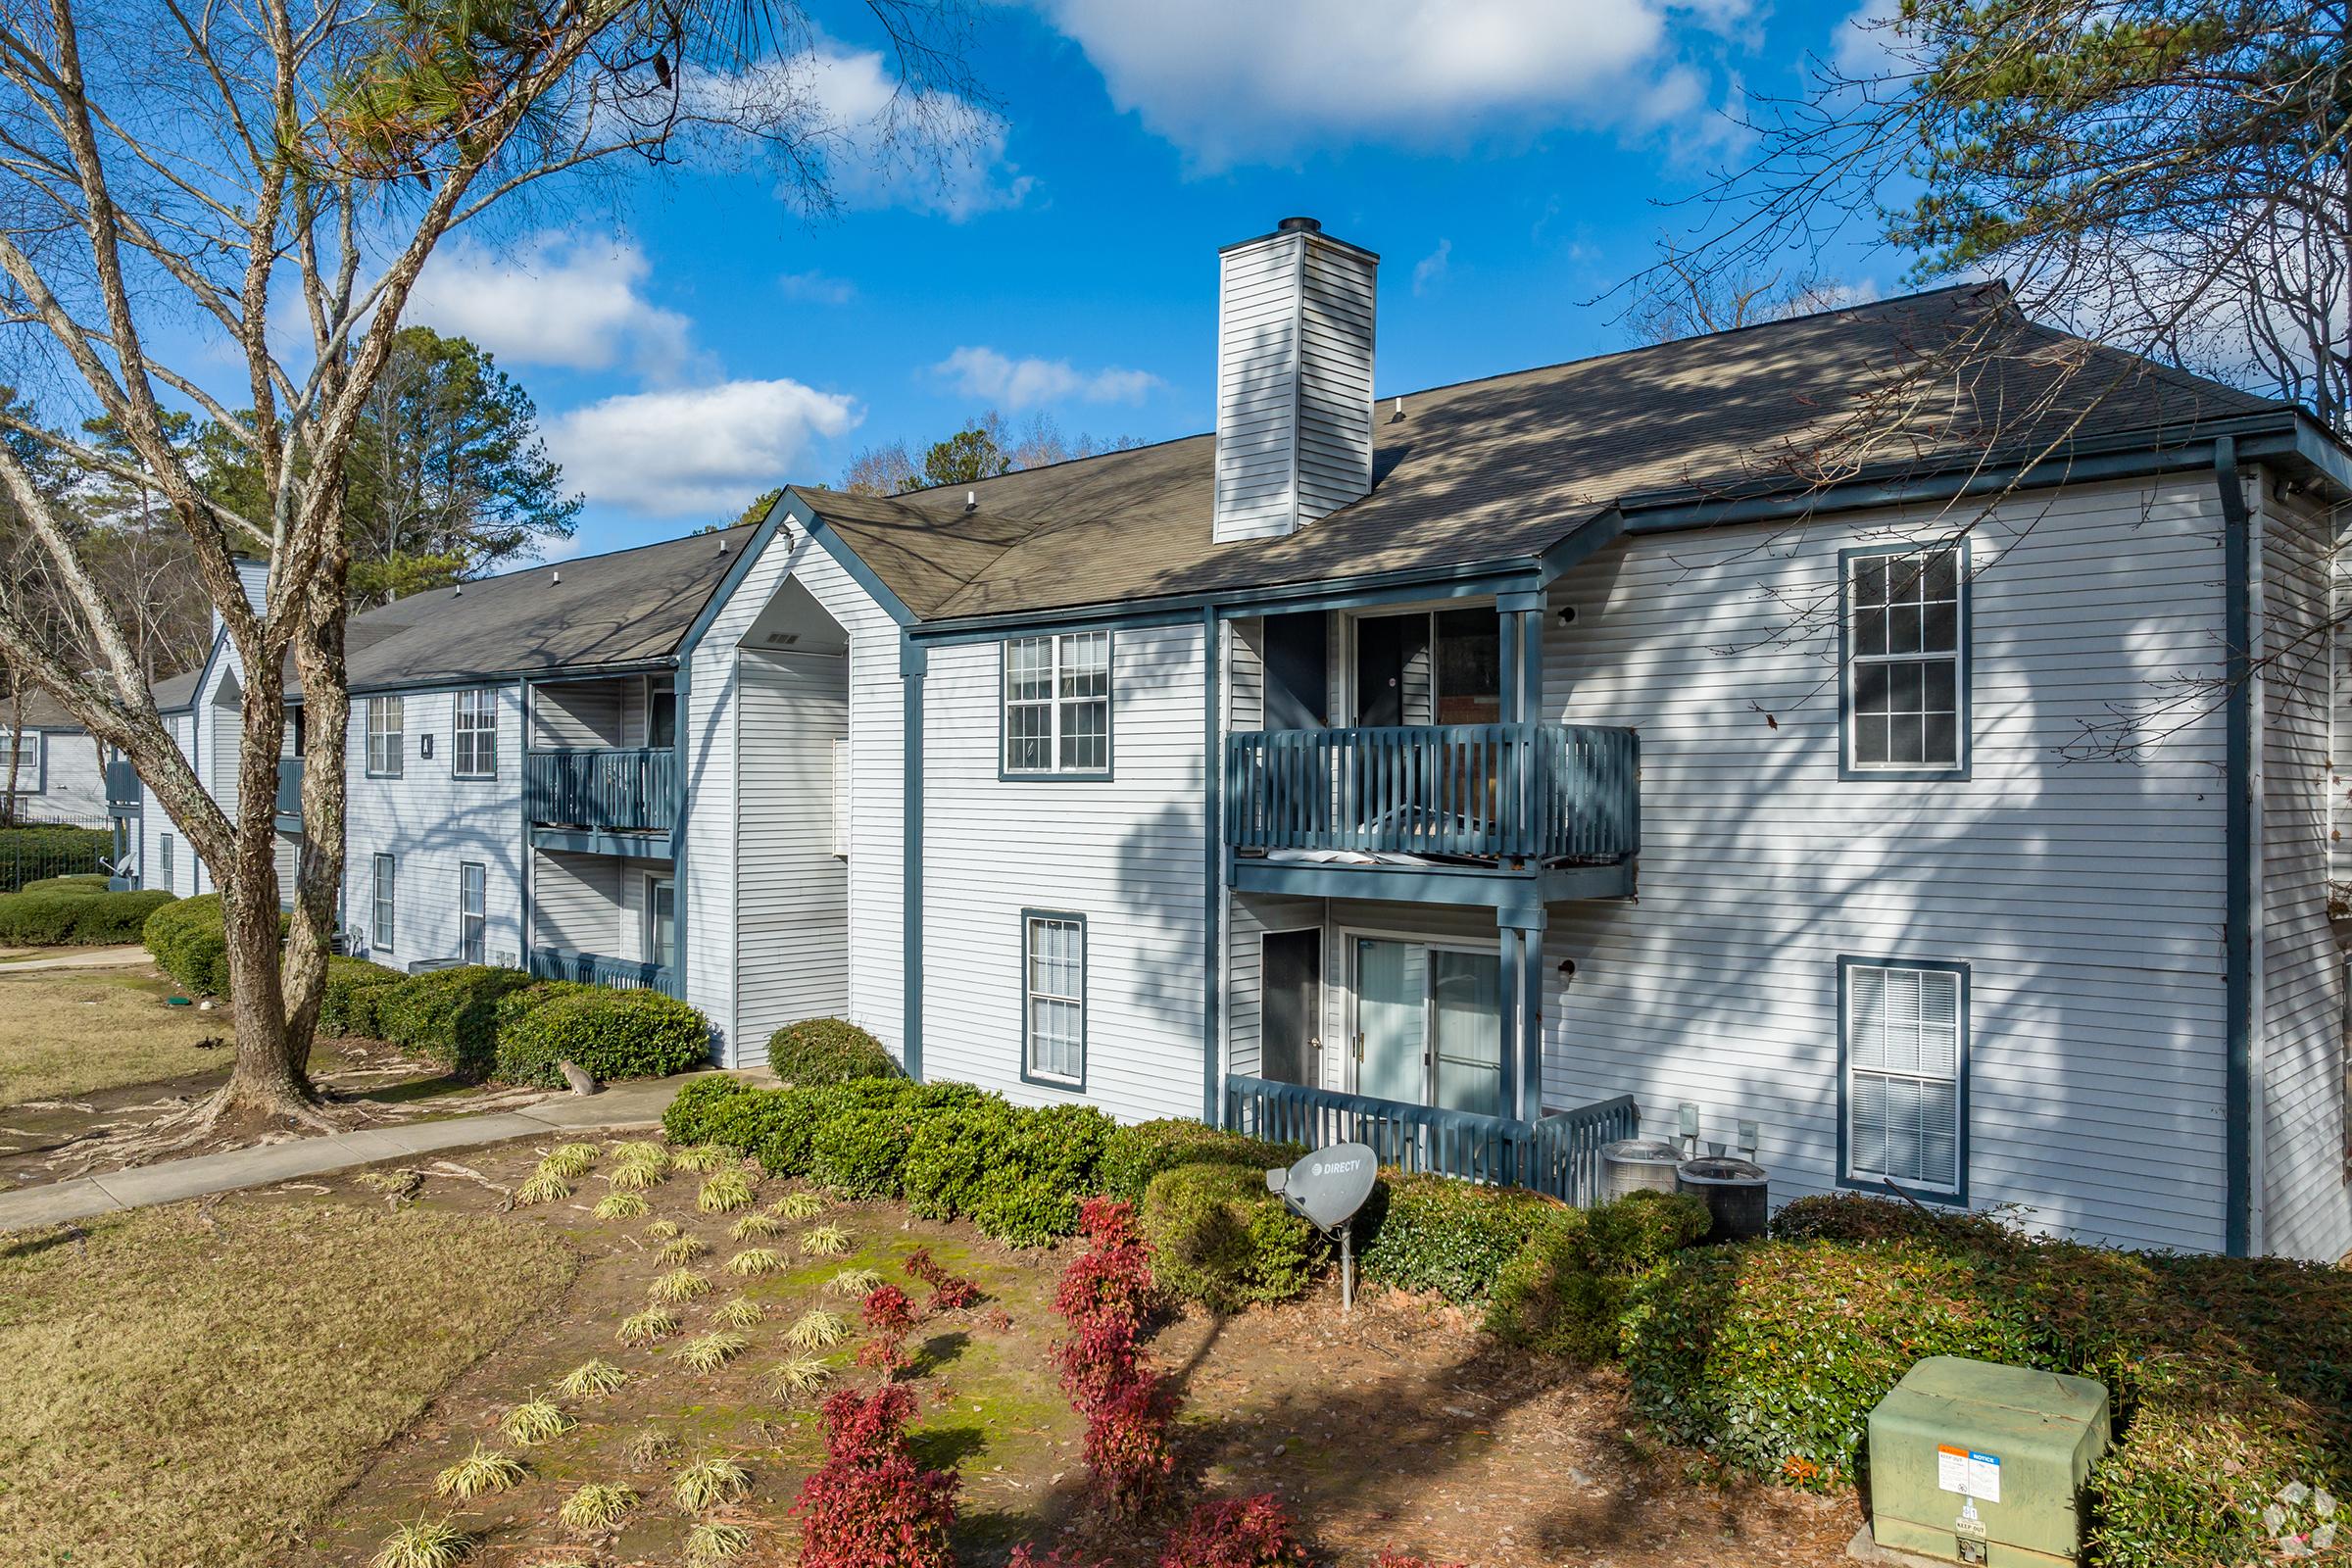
<point>1974,1462</point>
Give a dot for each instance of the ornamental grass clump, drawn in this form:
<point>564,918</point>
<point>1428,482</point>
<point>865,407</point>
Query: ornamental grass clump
<point>738,1312</point>
<point>684,1249</point>
<point>662,1230</point>
<point>708,1353</point>
<point>535,1420</point>
<point>713,1542</point>
<point>541,1187</point>
<point>596,1508</point>
<point>478,1474</point>
<point>755,1261</point>
<point>798,1377</point>
<point>825,1240</point>
<point>857,1282</point>
<point>571,1161</point>
<point>708,1483</point>
<point>757,1228</point>
<point>641,1151</point>
<point>723,1193</point>
<point>591,1377</point>
<point>424,1544</point>
<point>677,1286</point>
<point>817,1330</point>
<point>621,1206</point>
<point>797,1205</point>
<point>630,1176</point>
<point>701,1159</point>
<point>643,1328</point>
<point>871,1504</point>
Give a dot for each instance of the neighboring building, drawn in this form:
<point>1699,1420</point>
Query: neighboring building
<point>1444,766</point>
<point>61,769</point>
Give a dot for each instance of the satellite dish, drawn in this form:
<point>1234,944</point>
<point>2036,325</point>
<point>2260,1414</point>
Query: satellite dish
<point>1328,1186</point>
<point>1326,1189</point>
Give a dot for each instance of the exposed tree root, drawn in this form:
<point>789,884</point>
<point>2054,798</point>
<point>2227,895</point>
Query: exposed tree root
<point>216,1116</point>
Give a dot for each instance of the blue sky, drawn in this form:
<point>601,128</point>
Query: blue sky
<point>693,340</point>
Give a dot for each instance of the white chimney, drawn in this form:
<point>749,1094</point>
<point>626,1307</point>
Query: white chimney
<point>1295,312</point>
<point>253,576</point>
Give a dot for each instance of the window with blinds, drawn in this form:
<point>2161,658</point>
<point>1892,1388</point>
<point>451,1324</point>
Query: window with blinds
<point>1058,703</point>
<point>1906,706</point>
<point>474,751</point>
<point>1053,1025</point>
<point>1906,1045</point>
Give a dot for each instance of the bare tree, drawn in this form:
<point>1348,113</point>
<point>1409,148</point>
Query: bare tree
<point>236,175</point>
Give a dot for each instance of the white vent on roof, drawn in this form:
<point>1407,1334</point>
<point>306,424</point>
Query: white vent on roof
<point>1295,315</point>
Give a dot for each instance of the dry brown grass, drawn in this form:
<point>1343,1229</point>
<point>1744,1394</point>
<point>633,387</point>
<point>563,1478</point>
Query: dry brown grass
<point>190,1388</point>
<point>69,1032</point>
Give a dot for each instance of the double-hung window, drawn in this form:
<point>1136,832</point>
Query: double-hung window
<point>474,729</point>
<point>27,760</point>
<point>474,923</point>
<point>1906,1074</point>
<point>1906,672</point>
<point>163,862</point>
<point>1058,703</point>
<point>1053,999</point>
<point>385,933</point>
<point>387,737</point>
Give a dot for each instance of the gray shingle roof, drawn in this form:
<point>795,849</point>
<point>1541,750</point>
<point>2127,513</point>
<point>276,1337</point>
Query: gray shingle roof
<point>1492,470</point>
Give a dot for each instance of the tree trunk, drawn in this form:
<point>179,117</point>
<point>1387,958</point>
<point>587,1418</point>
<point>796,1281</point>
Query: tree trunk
<point>16,744</point>
<point>271,1073</point>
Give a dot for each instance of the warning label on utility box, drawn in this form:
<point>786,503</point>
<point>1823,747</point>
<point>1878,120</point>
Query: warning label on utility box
<point>1968,1472</point>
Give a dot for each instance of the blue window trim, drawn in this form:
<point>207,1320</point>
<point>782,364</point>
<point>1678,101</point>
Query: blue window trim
<point>368,738</point>
<point>1847,962</point>
<point>1847,771</point>
<point>40,764</point>
<point>380,862</point>
<point>1086,1006</point>
<point>456,700</point>
<point>481,871</point>
<point>1110,749</point>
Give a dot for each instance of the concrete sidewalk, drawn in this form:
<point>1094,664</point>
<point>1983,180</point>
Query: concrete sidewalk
<point>619,1107</point>
<point>25,960</point>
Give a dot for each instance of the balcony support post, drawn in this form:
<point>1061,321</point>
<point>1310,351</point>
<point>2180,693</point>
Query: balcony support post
<point>1521,612</point>
<point>1522,929</point>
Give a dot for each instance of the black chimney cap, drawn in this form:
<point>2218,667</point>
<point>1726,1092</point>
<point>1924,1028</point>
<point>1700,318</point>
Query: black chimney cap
<point>1299,225</point>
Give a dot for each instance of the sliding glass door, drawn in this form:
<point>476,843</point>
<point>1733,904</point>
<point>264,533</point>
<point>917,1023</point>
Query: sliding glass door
<point>1428,1025</point>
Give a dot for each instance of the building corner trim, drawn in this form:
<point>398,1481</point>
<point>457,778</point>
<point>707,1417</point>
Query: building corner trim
<point>914,663</point>
<point>2237,940</point>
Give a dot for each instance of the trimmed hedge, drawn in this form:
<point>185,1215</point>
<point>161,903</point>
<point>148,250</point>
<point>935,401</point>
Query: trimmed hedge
<point>80,882</point>
<point>1565,1292</point>
<point>1135,1154</point>
<point>611,1034</point>
<point>450,1016</point>
<point>826,1051</point>
<point>2227,1374</point>
<point>353,985</point>
<point>1432,1233</point>
<point>1222,1239</point>
<point>67,916</point>
<point>188,941</point>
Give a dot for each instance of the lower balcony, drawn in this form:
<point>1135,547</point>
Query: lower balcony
<point>593,970</point>
<point>1559,1155</point>
<point>603,801</point>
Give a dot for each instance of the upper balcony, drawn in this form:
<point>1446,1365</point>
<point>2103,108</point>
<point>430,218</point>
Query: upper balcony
<point>602,800</point>
<point>1559,803</point>
<point>121,787</point>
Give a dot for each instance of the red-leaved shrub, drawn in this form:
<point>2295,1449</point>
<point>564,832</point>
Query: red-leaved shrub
<point>1235,1533</point>
<point>870,1505</point>
<point>887,1310</point>
<point>950,1292</point>
<point>885,1353</point>
<point>1105,1295</point>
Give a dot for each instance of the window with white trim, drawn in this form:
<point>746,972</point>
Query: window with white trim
<point>1058,703</point>
<point>387,736</point>
<point>474,732</point>
<point>27,746</point>
<point>473,924</point>
<point>163,860</point>
<point>387,904</point>
<point>1906,1034</point>
<point>1906,711</point>
<point>1054,985</point>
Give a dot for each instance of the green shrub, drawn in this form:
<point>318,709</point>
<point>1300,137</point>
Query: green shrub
<point>860,1131</point>
<point>190,944</point>
<point>450,1016</point>
<point>826,1051</point>
<point>84,882</point>
<point>952,1157</point>
<point>689,1118</point>
<point>611,1033</point>
<point>1859,1217</point>
<point>1433,1232</point>
<point>1135,1154</point>
<point>1050,1162</point>
<point>1565,1292</point>
<point>45,853</point>
<point>1222,1239</point>
<point>348,1005</point>
<point>48,919</point>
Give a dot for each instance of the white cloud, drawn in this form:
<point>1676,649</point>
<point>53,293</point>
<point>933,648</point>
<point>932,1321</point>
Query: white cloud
<point>984,372</point>
<point>1868,44</point>
<point>817,288</point>
<point>876,142</point>
<point>1431,269</point>
<point>571,299</point>
<point>695,450</point>
<point>1235,79</point>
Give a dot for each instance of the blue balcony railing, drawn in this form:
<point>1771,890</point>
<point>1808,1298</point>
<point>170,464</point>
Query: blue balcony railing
<point>1541,792</point>
<point>1560,1154</point>
<point>122,786</point>
<point>593,970</point>
<point>633,789</point>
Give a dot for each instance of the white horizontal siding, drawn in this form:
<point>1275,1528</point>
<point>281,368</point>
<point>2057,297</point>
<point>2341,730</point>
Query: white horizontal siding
<point>1249,918</point>
<point>792,890</point>
<point>1126,854</point>
<point>2085,895</point>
